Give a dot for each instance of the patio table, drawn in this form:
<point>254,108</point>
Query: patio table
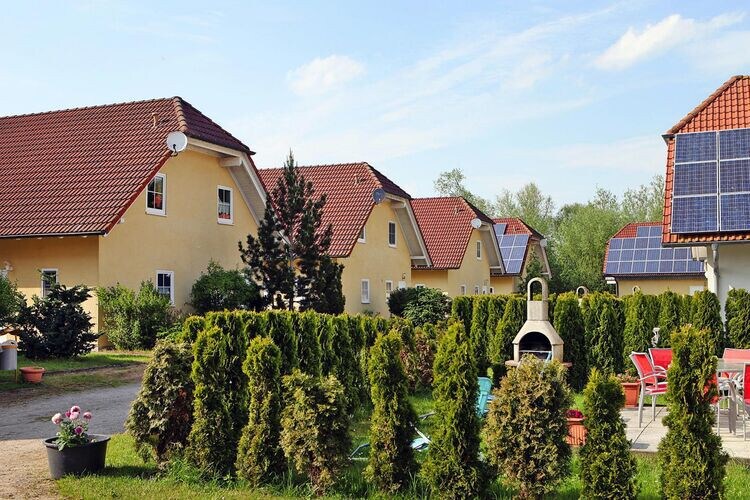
<point>730,367</point>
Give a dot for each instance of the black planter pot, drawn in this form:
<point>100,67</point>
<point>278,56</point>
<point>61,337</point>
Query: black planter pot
<point>77,460</point>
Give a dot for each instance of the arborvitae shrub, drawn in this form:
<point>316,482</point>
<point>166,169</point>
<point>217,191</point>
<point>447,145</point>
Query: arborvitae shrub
<point>418,361</point>
<point>162,413</point>
<point>315,427</point>
<point>501,342</point>
<point>281,330</point>
<point>686,310</point>
<point>462,309</point>
<point>478,337</point>
<point>452,467</point>
<point>259,455</point>
<point>495,311</point>
<point>670,316</point>
<point>608,469</point>
<point>405,329</point>
<point>308,345</point>
<point>391,463</point>
<point>692,461</point>
<point>569,325</point>
<point>738,319</point>
<point>604,332</point>
<point>346,363</point>
<point>325,337</point>
<point>640,319</point>
<point>527,426</point>
<point>706,315</point>
<point>190,328</point>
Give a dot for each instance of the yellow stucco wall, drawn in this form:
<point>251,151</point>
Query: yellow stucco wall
<point>657,286</point>
<point>376,261</point>
<point>186,238</point>
<point>472,273</point>
<point>503,285</point>
<point>74,258</point>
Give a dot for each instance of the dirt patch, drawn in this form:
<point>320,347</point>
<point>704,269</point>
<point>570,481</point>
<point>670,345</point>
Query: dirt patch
<point>24,472</point>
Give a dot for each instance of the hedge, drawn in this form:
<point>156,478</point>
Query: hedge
<point>641,317</point>
<point>706,315</point>
<point>569,325</point>
<point>604,323</point>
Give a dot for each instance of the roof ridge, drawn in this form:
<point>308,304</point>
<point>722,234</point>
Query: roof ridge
<point>96,106</point>
<point>321,165</point>
<point>184,102</point>
<point>705,103</point>
<point>180,114</point>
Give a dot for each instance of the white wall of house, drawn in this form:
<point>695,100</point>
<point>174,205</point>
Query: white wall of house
<point>733,269</point>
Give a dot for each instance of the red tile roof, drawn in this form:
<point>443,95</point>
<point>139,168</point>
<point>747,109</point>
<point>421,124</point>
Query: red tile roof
<point>630,230</point>
<point>348,188</point>
<point>446,227</point>
<point>727,108</point>
<point>76,171</point>
<point>515,225</point>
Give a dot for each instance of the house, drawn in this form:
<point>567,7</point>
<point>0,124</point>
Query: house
<point>707,186</point>
<point>375,233</point>
<point>519,244</point>
<point>635,259</point>
<point>462,245</point>
<point>94,196</point>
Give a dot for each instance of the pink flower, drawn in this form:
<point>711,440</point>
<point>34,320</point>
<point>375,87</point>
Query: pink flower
<point>87,415</point>
<point>56,419</point>
<point>78,430</point>
<point>75,409</point>
<point>67,414</point>
<point>74,415</point>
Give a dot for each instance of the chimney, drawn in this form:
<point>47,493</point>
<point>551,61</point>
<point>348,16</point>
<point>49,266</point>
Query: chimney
<point>155,119</point>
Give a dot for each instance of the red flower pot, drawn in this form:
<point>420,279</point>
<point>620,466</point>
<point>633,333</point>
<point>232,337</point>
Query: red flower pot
<point>32,374</point>
<point>576,432</point>
<point>632,390</point>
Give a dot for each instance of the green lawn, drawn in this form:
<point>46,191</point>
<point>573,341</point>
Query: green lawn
<point>127,476</point>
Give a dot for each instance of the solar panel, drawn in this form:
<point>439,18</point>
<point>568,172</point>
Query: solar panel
<point>735,176</point>
<point>695,178</point>
<point>694,214</point>
<point>513,250</point>
<point>500,229</point>
<point>643,254</point>
<point>734,144</point>
<point>695,147</point>
<point>735,212</point>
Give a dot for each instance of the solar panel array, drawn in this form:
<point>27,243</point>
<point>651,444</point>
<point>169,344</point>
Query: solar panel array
<point>711,182</point>
<point>644,254</point>
<point>512,248</point>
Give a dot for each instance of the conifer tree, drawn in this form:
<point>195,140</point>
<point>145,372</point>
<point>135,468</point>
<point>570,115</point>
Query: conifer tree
<point>461,309</point>
<point>495,310</point>
<point>640,320</point>
<point>605,337</point>
<point>280,328</point>
<point>478,337</point>
<point>309,352</point>
<point>670,316</point>
<point>738,319</point>
<point>501,342</point>
<point>706,315</point>
<point>569,325</point>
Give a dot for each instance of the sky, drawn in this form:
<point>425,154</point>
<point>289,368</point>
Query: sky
<point>571,95</point>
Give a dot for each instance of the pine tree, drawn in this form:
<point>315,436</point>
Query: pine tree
<point>326,293</point>
<point>569,325</point>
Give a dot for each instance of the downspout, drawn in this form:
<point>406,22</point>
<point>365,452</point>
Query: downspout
<point>715,258</point>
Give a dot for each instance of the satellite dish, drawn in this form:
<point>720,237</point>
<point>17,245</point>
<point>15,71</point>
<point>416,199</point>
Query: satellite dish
<point>378,195</point>
<point>176,142</point>
<point>476,223</point>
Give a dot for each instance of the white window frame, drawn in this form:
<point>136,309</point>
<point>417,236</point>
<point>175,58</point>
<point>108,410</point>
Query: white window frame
<point>492,290</point>
<point>362,238</point>
<point>42,281</point>
<point>163,210</point>
<point>171,283</point>
<point>388,289</point>
<point>462,290</point>
<point>230,220</point>
<point>419,285</point>
<point>364,286</point>
<point>401,285</point>
<point>395,234</point>
<point>476,290</point>
<point>479,250</point>
<point>484,290</point>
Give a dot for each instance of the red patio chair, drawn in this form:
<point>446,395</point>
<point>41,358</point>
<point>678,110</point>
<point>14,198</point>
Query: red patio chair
<point>651,385</point>
<point>737,356</point>
<point>661,358</point>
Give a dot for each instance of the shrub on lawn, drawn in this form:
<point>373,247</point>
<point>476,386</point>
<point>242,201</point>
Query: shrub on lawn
<point>315,427</point>
<point>501,341</point>
<point>706,315</point>
<point>478,335</point>
<point>391,463</point>
<point>220,289</point>
<point>308,345</point>
<point>608,469</point>
<point>452,467</point>
<point>56,326</point>
<point>670,316</point>
<point>133,320</point>
<point>569,324</point>
<point>259,456</point>
<point>162,414</point>
<point>738,318</point>
<point>429,306</point>
<point>527,426</point>
<point>462,309</point>
<point>641,316</point>
<point>281,330</point>
<point>10,300</point>
<point>190,328</point>
<point>398,299</point>
<point>693,463</point>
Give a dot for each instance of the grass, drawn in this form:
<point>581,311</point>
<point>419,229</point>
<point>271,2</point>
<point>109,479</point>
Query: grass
<point>127,476</point>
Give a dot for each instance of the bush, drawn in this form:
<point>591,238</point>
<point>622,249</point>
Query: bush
<point>132,321</point>
<point>738,318</point>
<point>308,345</point>
<point>220,289</point>
<point>692,462</point>
<point>495,311</point>
<point>259,456</point>
<point>501,342</point>
<point>670,316</point>
<point>452,466</point>
<point>315,428</point>
<point>641,316</point>
<point>478,335</point>
<point>706,315</point>
<point>418,361</point>
<point>280,327</point>
<point>398,300</point>
<point>604,324</point>
<point>461,309</point>
<point>391,463</point>
<point>569,325</point>
<point>527,427</point>
<point>10,300</point>
<point>608,469</point>
<point>190,328</point>
<point>56,326</point>
<point>429,306</point>
<point>345,360</point>
<point>162,413</point>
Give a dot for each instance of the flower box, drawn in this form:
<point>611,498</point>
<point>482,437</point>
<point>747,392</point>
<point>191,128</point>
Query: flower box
<point>632,390</point>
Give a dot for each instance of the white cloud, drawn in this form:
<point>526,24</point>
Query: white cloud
<point>672,31</point>
<point>323,74</point>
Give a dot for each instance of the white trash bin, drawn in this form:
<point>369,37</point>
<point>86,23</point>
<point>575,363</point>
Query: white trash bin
<point>9,355</point>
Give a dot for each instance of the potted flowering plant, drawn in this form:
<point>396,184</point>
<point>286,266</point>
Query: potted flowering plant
<point>576,429</point>
<point>73,450</point>
<point>632,388</point>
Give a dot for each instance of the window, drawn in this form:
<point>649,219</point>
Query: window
<point>156,195</point>
<point>388,289</point>
<point>392,233</point>
<point>362,238</point>
<point>484,290</point>
<point>49,278</point>
<point>365,290</point>
<point>165,284</point>
<point>463,290</point>
<point>476,290</point>
<point>492,290</point>
<point>225,207</point>
<point>419,285</point>
<point>401,285</point>
<point>479,250</point>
